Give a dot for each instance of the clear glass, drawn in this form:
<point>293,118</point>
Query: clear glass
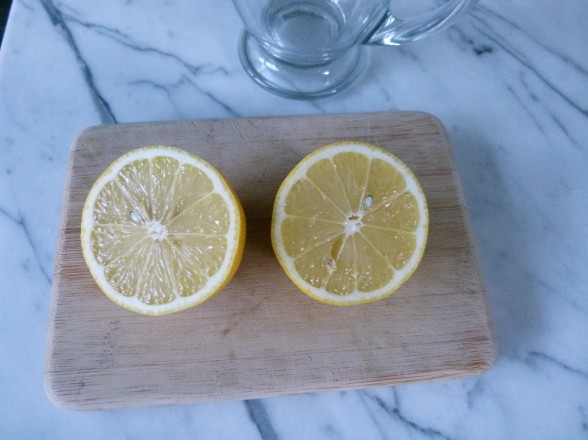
<point>308,49</point>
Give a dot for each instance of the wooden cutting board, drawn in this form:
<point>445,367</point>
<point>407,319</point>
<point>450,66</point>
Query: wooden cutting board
<point>260,336</point>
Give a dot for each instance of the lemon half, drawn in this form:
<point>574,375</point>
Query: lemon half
<point>350,223</point>
<point>162,230</point>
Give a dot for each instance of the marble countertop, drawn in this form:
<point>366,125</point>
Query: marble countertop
<point>510,83</point>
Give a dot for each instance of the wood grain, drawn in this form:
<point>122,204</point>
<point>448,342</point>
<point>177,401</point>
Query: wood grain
<point>260,336</point>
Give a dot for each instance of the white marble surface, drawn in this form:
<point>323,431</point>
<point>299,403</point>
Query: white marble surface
<point>510,83</point>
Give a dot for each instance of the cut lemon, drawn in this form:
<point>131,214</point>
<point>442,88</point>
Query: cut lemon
<point>162,230</point>
<point>349,224</point>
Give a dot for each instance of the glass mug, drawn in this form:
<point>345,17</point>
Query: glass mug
<point>313,48</point>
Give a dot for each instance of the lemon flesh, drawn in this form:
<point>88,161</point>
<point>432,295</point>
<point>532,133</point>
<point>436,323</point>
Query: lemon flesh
<point>350,224</point>
<point>162,231</point>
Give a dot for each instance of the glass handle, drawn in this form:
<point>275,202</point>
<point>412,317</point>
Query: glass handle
<point>392,31</point>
